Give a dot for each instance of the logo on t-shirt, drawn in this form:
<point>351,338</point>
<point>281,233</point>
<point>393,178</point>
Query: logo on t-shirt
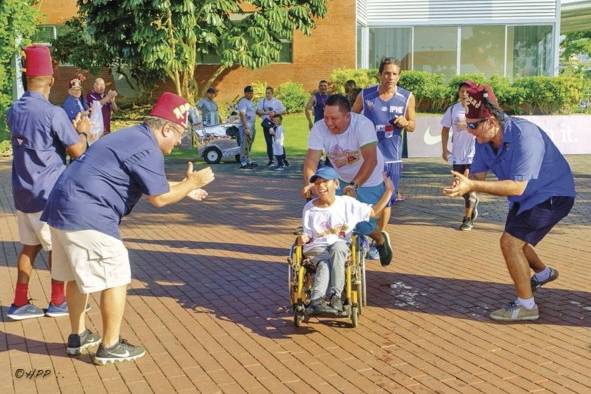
<point>340,157</point>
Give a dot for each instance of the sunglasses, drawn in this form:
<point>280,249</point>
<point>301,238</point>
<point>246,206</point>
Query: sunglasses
<point>474,125</point>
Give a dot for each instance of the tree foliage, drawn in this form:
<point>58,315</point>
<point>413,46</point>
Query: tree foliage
<point>18,20</point>
<point>158,39</point>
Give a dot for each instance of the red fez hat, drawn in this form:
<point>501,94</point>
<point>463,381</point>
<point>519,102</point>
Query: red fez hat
<point>476,94</point>
<point>172,108</point>
<point>38,61</point>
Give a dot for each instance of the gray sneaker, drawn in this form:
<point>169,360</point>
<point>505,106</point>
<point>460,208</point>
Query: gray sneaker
<point>320,307</point>
<point>77,343</point>
<point>121,351</point>
<point>27,311</point>
<point>336,303</point>
<point>536,284</point>
<point>515,312</point>
<point>466,224</point>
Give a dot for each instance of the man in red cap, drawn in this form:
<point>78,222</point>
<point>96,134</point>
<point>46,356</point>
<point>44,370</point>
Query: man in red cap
<point>41,135</point>
<point>85,209</point>
<point>536,179</point>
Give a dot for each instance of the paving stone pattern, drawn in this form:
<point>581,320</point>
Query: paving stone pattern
<point>209,301</point>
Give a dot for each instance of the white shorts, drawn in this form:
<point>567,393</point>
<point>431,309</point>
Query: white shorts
<point>32,231</point>
<point>95,260</point>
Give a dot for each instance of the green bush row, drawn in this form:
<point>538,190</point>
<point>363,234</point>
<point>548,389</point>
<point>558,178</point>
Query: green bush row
<point>528,95</point>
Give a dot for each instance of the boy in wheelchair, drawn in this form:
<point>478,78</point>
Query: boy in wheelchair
<point>328,223</point>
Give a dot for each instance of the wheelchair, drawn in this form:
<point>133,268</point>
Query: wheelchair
<point>301,277</point>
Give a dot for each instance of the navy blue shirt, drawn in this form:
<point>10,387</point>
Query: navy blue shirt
<point>40,133</point>
<point>73,105</point>
<point>380,112</point>
<point>104,184</point>
<point>527,154</point>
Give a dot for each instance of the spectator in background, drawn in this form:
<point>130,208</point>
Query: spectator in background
<point>316,103</point>
<point>267,108</point>
<point>106,103</point>
<point>351,91</point>
<point>210,113</point>
<point>462,151</point>
<point>75,104</point>
<point>247,113</point>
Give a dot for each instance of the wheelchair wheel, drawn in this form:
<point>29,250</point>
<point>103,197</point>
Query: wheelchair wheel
<point>354,316</point>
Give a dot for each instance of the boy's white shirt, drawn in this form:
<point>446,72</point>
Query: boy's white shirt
<point>325,226</point>
<point>462,145</point>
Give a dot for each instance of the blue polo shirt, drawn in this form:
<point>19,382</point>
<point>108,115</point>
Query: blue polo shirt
<point>40,133</point>
<point>527,154</point>
<point>73,105</point>
<point>104,184</point>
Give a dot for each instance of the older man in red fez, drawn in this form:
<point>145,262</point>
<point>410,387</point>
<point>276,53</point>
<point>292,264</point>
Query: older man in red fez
<point>536,179</point>
<point>41,135</point>
<point>85,209</point>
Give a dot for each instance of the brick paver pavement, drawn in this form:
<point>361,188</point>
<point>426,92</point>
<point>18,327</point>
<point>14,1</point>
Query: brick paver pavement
<point>209,301</point>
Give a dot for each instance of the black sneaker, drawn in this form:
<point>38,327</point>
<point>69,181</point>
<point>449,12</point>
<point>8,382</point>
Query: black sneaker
<point>285,163</point>
<point>336,303</point>
<point>77,343</point>
<point>385,250</point>
<point>466,224</point>
<point>121,351</point>
<point>536,284</point>
<point>319,307</point>
<point>474,215</point>
<point>270,163</point>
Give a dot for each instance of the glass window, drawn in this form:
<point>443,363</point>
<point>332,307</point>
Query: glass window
<point>529,51</point>
<point>286,53</point>
<point>390,42</point>
<point>483,50</point>
<point>435,49</point>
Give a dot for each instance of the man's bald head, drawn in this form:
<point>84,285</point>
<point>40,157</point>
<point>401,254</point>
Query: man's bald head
<point>99,85</point>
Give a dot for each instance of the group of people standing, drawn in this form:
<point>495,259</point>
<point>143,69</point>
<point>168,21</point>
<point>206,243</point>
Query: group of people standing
<point>74,211</point>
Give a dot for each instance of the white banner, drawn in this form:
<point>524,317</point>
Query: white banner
<point>570,133</point>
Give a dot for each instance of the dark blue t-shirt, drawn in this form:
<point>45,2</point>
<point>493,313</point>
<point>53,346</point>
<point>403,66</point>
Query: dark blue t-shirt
<point>527,154</point>
<point>40,133</point>
<point>105,183</point>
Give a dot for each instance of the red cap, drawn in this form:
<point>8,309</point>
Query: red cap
<point>38,61</point>
<point>172,108</point>
<point>475,95</point>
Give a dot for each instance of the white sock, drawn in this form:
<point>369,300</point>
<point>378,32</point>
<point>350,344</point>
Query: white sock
<point>527,303</point>
<point>543,275</point>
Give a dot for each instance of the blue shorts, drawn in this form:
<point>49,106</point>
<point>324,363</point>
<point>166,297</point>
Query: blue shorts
<point>369,195</point>
<point>533,225</point>
<point>394,172</point>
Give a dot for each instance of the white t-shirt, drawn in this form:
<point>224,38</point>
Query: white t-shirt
<point>270,105</point>
<point>246,106</point>
<point>344,150</point>
<point>278,141</point>
<point>462,142</point>
<point>325,226</point>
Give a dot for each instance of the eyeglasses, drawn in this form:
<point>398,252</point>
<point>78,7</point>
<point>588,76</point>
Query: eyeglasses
<point>474,125</point>
<point>180,131</point>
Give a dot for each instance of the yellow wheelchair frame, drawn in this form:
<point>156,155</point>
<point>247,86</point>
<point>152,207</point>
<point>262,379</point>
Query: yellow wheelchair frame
<point>300,280</point>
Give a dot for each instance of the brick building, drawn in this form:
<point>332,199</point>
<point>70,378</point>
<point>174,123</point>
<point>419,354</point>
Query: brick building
<point>305,59</point>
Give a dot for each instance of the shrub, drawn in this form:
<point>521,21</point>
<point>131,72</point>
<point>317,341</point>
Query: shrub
<point>430,91</point>
<point>550,94</point>
<point>363,78</point>
<point>293,95</point>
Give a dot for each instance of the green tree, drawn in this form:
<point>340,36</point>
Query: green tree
<point>157,39</point>
<point>18,19</point>
<point>575,44</point>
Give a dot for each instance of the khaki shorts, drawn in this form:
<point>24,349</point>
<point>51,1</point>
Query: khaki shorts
<point>96,261</point>
<point>32,231</point>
